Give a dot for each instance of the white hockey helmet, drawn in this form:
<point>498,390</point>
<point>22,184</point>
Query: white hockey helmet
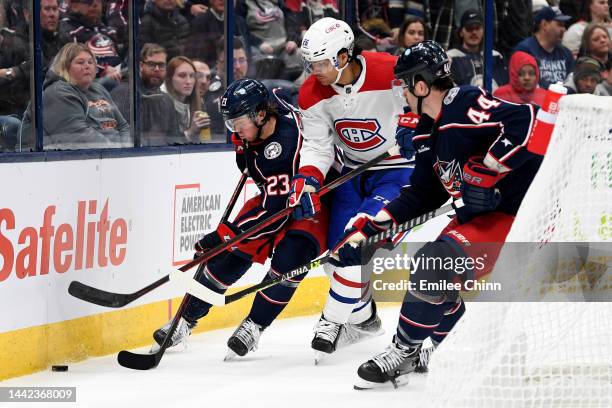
<point>324,40</point>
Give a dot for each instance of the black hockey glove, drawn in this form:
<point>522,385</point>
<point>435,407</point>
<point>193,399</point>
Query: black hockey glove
<point>224,232</point>
<point>478,189</point>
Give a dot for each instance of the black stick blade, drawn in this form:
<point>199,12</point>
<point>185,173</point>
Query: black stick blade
<point>136,361</point>
<point>97,296</point>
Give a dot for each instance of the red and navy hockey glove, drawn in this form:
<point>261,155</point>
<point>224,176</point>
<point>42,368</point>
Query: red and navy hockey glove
<point>224,232</point>
<point>406,127</point>
<point>304,197</point>
<point>478,189</point>
<point>350,249</point>
<point>238,144</point>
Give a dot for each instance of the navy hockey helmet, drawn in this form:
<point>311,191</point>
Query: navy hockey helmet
<point>426,59</point>
<point>244,97</point>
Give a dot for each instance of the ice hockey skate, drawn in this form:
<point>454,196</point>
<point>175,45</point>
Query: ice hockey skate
<point>179,337</point>
<point>352,333</point>
<point>244,339</point>
<point>330,336</point>
<point>325,339</point>
<point>389,367</point>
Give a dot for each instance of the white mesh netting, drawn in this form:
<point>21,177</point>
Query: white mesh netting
<point>545,353</point>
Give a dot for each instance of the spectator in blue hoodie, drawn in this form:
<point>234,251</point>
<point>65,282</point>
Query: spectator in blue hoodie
<point>555,62</point>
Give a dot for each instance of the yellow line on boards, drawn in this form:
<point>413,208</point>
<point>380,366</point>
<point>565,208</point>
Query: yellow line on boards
<point>32,349</point>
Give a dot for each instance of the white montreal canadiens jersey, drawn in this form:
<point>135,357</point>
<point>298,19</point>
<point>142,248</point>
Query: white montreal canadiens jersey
<point>360,118</point>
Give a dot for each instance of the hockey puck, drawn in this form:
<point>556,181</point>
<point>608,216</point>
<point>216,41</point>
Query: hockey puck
<point>59,368</point>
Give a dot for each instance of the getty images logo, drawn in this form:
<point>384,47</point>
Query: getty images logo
<point>92,240</point>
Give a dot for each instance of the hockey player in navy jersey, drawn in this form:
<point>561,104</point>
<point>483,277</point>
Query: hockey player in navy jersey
<point>471,147</point>
<point>267,136</point>
<point>347,102</point>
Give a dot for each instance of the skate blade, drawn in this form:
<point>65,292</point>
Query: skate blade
<point>231,355</point>
<point>364,385</point>
<point>344,342</point>
<point>319,356</point>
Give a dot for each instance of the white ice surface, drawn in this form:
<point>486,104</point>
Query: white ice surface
<point>281,373</point>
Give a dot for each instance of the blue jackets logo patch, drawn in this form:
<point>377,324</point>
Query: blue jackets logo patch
<point>451,176</point>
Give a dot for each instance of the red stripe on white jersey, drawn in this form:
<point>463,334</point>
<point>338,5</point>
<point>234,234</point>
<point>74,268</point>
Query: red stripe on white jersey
<point>349,283</point>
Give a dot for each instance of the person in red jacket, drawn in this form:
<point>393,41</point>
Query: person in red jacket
<point>524,77</point>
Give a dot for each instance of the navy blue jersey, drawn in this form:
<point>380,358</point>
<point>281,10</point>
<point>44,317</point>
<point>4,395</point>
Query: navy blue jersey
<point>471,123</point>
<point>271,164</point>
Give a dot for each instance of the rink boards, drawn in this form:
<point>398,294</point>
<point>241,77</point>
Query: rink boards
<point>116,224</point>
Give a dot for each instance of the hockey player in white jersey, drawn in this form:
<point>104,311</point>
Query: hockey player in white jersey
<point>347,102</point>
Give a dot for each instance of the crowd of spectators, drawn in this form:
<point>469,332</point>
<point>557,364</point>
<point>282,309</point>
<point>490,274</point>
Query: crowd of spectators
<point>181,58</point>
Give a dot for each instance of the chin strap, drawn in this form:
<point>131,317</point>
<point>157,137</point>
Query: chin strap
<point>420,99</point>
<point>340,71</point>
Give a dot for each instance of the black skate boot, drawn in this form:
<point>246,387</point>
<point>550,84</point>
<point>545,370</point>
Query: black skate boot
<point>244,339</point>
<point>393,365</point>
<point>180,335</point>
<point>326,337</point>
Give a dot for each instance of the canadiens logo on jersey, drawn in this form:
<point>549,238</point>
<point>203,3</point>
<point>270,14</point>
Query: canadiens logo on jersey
<point>359,134</point>
<point>450,174</point>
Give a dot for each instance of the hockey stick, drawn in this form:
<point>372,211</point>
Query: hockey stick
<point>148,361</point>
<point>109,299</point>
<point>200,291</point>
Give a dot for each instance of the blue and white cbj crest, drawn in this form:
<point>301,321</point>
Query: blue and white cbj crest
<point>273,150</point>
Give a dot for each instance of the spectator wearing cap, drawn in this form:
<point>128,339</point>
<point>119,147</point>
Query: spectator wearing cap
<point>593,11</point>
<point>605,87</point>
<point>467,61</point>
<point>523,86</point>
<point>83,24</point>
<point>555,62</point>
<point>586,77</point>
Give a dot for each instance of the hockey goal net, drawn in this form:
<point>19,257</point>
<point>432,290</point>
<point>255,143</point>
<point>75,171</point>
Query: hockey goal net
<point>546,353</point>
